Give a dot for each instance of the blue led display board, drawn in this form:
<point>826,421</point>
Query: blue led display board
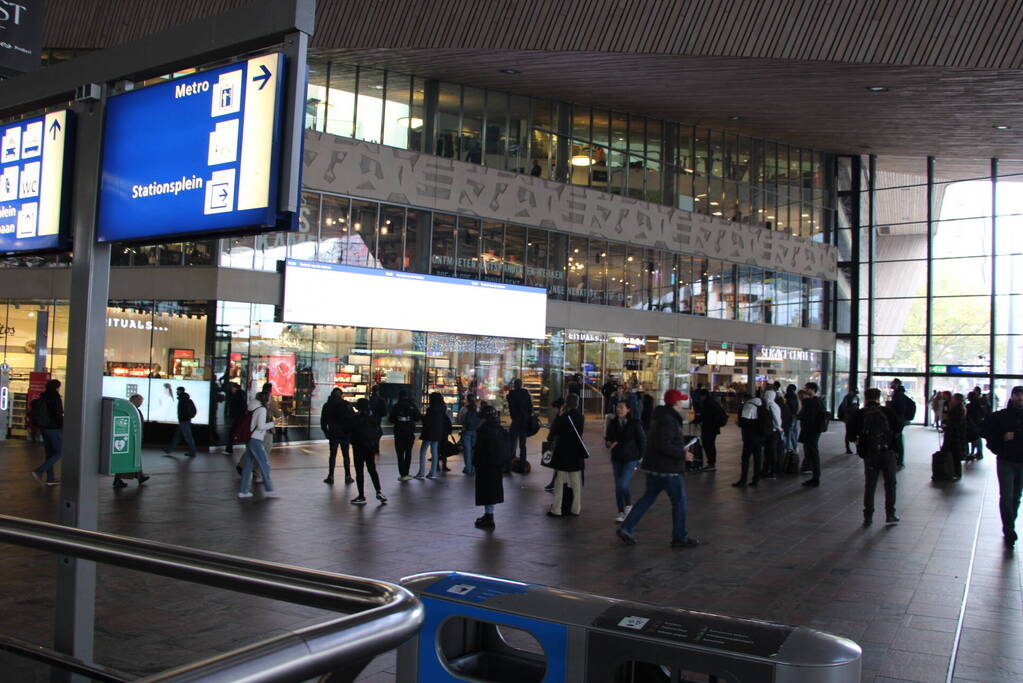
<point>35,184</point>
<point>194,156</point>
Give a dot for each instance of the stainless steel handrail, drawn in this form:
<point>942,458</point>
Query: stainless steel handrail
<point>381,615</point>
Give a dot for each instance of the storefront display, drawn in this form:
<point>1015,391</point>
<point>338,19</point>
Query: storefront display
<point>789,365</point>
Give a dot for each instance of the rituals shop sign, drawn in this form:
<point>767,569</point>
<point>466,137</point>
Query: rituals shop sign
<point>21,35</point>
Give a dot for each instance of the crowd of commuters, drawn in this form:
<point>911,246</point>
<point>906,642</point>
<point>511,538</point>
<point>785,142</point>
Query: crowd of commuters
<point>661,441</point>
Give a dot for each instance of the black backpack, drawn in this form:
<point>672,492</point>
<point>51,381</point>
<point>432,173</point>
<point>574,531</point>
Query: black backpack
<point>41,417</point>
<point>190,410</point>
<point>875,433</point>
<point>765,423</point>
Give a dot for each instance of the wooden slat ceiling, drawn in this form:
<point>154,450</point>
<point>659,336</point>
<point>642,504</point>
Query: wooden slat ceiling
<point>793,70</point>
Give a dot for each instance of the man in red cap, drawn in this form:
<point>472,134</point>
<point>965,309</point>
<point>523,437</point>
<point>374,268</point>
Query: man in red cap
<point>664,461</point>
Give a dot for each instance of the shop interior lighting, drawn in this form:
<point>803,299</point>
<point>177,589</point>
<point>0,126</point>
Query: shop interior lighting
<point>581,160</point>
<point>413,122</point>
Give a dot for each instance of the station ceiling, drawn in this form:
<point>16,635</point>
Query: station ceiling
<point>798,71</point>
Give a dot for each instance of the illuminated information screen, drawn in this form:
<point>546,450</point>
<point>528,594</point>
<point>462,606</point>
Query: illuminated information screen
<point>330,294</point>
<point>33,184</point>
<point>193,155</point>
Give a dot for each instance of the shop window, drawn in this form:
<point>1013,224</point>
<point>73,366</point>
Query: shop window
<point>492,250</point>
<point>615,278</point>
<point>417,241</point>
<point>199,253</point>
<point>518,134</point>
<point>471,131</point>
<point>537,274</point>
<point>514,253</point>
<point>360,247</point>
<point>417,119</point>
<point>635,278</point>
<point>316,95</point>
<point>302,244</point>
<point>390,242</point>
<point>369,110</point>
<point>341,100</point>
<point>496,134</point>
<point>270,247</point>
<point>469,236</point>
<point>576,280</point>
<point>597,272</point>
<point>557,265</point>
<point>449,103</point>
<point>237,253</point>
<point>333,229</point>
<point>543,154</point>
<point>442,251</point>
<point>687,278</point>
<point>664,281</point>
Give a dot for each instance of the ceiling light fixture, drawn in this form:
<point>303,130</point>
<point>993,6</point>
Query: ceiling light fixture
<point>509,71</point>
<point>581,160</point>
<point>734,117</point>
<point>413,122</point>
<point>877,88</point>
<point>1001,126</point>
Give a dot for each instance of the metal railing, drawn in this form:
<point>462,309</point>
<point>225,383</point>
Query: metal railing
<point>380,615</point>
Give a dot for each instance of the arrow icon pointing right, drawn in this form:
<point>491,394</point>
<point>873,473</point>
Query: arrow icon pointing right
<point>54,128</point>
<point>263,77</point>
<point>223,194</point>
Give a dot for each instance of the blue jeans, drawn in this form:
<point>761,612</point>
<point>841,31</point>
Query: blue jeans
<point>53,448</point>
<point>676,492</point>
<point>254,449</point>
<point>468,443</point>
<point>1010,488</point>
<point>184,430</point>
<point>623,472</point>
<point>518,434</point>
<point>434,446</point>
<point>792,437</point>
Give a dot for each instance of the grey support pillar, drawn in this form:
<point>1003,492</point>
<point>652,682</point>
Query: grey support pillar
<point>90,280</point>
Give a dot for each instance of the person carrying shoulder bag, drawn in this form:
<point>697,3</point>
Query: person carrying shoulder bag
<point>569,455</point>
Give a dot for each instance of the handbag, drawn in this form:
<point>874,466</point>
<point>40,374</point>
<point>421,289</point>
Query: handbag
<point>547,450</point>
<point>449,448</point>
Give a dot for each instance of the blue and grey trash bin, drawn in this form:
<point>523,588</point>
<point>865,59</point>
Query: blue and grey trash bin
<point>481,628</point>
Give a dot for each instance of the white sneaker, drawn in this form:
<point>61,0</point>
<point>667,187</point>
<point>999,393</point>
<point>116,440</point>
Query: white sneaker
<point>620,518</point>
<point>271,494</point>
<point>628,509</point>
<point>245,495</point>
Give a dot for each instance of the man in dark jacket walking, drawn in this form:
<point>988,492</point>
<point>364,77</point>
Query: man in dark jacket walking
<point>712,417</point>
<point>665,462</point>
<point>1004,433</point>
<point>48,417</point>
<point>186,411</point>
<point>404,416</point>
<point>336,418</point>
<point>520,409</point>
<point>812,423</point>
<point>904,410</point>
<point>870,428</point>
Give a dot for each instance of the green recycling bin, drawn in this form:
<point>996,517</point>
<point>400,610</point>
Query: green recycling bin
<point>121,450</point>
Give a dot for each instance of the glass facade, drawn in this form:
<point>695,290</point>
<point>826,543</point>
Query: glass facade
<point>573,268</point>
<point>931,263</point>
<point>719,173</point>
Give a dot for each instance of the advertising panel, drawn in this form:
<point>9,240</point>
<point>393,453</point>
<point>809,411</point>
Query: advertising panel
<point>411,301</point>
<point>160,403</point>
<point>34,184</point>
<point>196,155</point>
<point>21,25</point>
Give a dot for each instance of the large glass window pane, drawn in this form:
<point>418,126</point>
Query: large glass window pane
<point>899,354</point>
<point>960,350</point>
<point>536,258</point>
<point>496,134</point>
<point>715,298</point>
<point>961,315</point>
<point>316,96</point>
<point>397,111</point>
<point>417,121</point>
<point>966,237</point>
<point>390,241</point>
<point>597,270</point>
<point>302,244</point>
<point>361,247</point>
<point>469,236</point>
<point>493,251</point>
<point>449,105</point>
<point>1009,355</point>
<point>333,229</point>
<point>518,134</point>
<point>663,276</point>
<point>473,105</point>
<point>514,253</point>
<point>543,154</point>
<point>751,285</point>
<point>544,115</point>
<point>601,127</point>
<point>577,247</point>
<point>956,277</point>
<point>341,100</point>
<point>900,279</point>
<point>442,251</point>
<point>271,247</point>
<point>686,282</point>
<point>369,112</point>
<point>618,172</point>
<point>900,316</point>
<point>700,288</point>
<point>636,289</point>
<point>581,123</point>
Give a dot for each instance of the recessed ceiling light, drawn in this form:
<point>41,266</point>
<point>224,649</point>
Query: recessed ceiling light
<point>1001,126</point>
<point>509,71</point>
<point>735,117</point>
<point>877,88</point>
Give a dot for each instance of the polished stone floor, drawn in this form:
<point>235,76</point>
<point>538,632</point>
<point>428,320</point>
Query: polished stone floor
<point>913,596</point>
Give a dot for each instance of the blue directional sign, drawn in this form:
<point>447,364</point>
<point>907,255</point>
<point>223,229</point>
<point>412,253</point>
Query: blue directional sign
<point>34,184</point>
<point>194,156</point>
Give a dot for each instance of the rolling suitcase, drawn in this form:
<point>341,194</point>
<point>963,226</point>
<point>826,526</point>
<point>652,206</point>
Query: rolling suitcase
<point>942,468</point>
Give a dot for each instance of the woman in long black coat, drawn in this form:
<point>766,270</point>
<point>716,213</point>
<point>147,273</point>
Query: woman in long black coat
<point>492,452</point>
<point>569,457</point>
<point>955,426</point>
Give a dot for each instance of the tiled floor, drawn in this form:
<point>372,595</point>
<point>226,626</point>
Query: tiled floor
<point>781,552</point>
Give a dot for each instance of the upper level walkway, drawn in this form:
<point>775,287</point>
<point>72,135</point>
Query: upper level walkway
<point>781,551</point>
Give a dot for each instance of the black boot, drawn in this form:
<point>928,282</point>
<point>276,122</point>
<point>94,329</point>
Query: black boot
<point>485,522</point>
